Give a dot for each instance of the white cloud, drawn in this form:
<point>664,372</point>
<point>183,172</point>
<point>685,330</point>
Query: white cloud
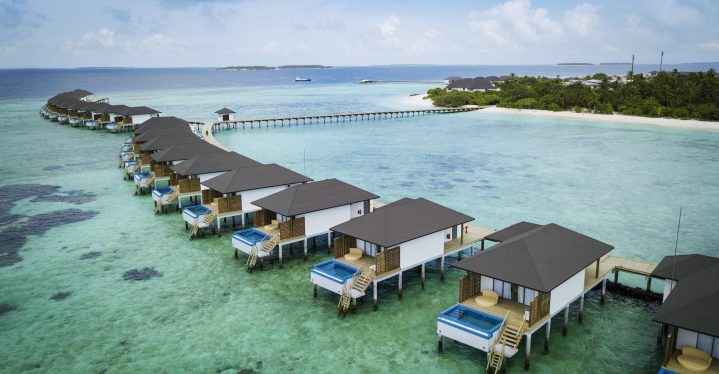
<point>513,24</point>
<point>388,29</point>
<point>672,13</point>
<point>102,37</point>
<point>582,19</point>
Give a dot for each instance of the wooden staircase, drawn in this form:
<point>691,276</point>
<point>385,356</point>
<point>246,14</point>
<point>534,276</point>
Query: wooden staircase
<point>267,247</point>
<point>147,181</point>
<point>509,337</point>
<point>171,197</point>
<point>208,219</point>
<point>358,283</point>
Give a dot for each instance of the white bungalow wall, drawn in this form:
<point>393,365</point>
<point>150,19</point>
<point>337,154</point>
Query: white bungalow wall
<point>252,195</point>
<point>357,209</point>
<point>204,177</point>
<point>321,220</point>
<point>141,118</point>
<point>447,234</point>
<point>566,292</point>
<point>706,343</point>
<point>417,251</point>
<point>668,287</point>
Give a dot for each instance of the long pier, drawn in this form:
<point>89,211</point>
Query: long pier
<point>372,81</point>
<point>324,118</point>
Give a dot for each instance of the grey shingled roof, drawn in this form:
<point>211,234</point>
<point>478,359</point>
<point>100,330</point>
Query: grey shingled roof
<point>140,110</point>
<point>478,83</point>
<point>213,163</point>
<point>225,111</point>
<point>311,197</point>
<point>162,131</point>
<point>509,232</point>
<point>164,141</point>
<point>684,265</point>
<point>252,178</point>
<point>540,259</point>
<point>402,221</point>
<point>184,151</point>
<point>161,122</point>
<point>693,304</point>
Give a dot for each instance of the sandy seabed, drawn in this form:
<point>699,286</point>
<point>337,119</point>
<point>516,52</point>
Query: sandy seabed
<point>418,101</point>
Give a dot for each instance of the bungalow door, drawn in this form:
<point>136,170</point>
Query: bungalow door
<point>225,117</point>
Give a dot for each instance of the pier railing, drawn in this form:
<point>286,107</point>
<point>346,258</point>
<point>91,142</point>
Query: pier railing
<point>328,118</point>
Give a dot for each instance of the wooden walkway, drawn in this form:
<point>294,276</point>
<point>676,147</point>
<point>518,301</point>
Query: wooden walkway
<point>372,81</point>
<point>325,118</point>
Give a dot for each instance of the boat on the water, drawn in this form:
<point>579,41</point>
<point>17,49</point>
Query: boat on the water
<point>300,79</point>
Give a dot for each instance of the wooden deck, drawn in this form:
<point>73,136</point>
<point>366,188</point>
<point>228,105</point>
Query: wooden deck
<point>611,263</point>
<point>366,262</point>
<point>673,365</point>
<point>516,311</point>
<point>630,266</point>
<point>475,234</point>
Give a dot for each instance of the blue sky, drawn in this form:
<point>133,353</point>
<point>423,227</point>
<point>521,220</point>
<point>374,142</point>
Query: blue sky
<point>157,33</point>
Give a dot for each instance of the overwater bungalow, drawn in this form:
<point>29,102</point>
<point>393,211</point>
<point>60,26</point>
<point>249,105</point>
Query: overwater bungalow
<point>689,315</point>
<point>187,176</point>
<point>392,239</point>
<point>303,212</point>
<point>516,287</point>
<point>230,195</point>
<point>225,114</point>
<point>143,150</point>
<point>161,160</point>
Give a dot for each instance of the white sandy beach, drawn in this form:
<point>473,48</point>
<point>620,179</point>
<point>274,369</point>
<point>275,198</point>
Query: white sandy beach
<point>688,124</point>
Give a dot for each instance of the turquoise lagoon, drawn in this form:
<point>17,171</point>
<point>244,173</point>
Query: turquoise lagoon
<point>620,183</point>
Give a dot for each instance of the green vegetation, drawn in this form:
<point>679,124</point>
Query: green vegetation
<point>668,94</point>
<point>248,67</point>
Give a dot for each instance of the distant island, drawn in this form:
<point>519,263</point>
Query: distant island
<point>576,63</point>
<point>682,95</point>
<point>261,67</point>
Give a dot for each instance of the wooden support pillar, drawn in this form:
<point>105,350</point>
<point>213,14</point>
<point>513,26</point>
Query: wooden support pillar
<point>304,242</point>
<point>441,268</point>
<point>649,283</point>
<point>439,343</point>
<point>314,290</point>
<point>547,332</point>
<point>581,308</point>
<point>596,271</point>
<point>527,350</point>
<point>374,295</point>
<point>604,291</point>
<point>482,248</point>
<point>354,303</point>
<point>660,334</point>
<point>279,249</point>
<point>422,276</point>
<point>616,277</point>
<point>566,321</point>
<point>399,285</point>
<point>329,242</point>
<point>459,255</point>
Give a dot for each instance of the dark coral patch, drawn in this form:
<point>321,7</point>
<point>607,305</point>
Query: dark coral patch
<point>90,255</point>
<point>141,274</point>
<point>4,308</point>
<point>60,296</point>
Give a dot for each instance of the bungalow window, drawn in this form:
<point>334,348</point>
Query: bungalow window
<point>367,247</point>
<point>525,295</point>
<point>705,342</point>
<point>716,348</point>
<point>503,289</point>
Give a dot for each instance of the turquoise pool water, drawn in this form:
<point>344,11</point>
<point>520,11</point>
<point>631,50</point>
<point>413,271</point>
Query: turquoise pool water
<point>66,306</point>
<point>250,236</point>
